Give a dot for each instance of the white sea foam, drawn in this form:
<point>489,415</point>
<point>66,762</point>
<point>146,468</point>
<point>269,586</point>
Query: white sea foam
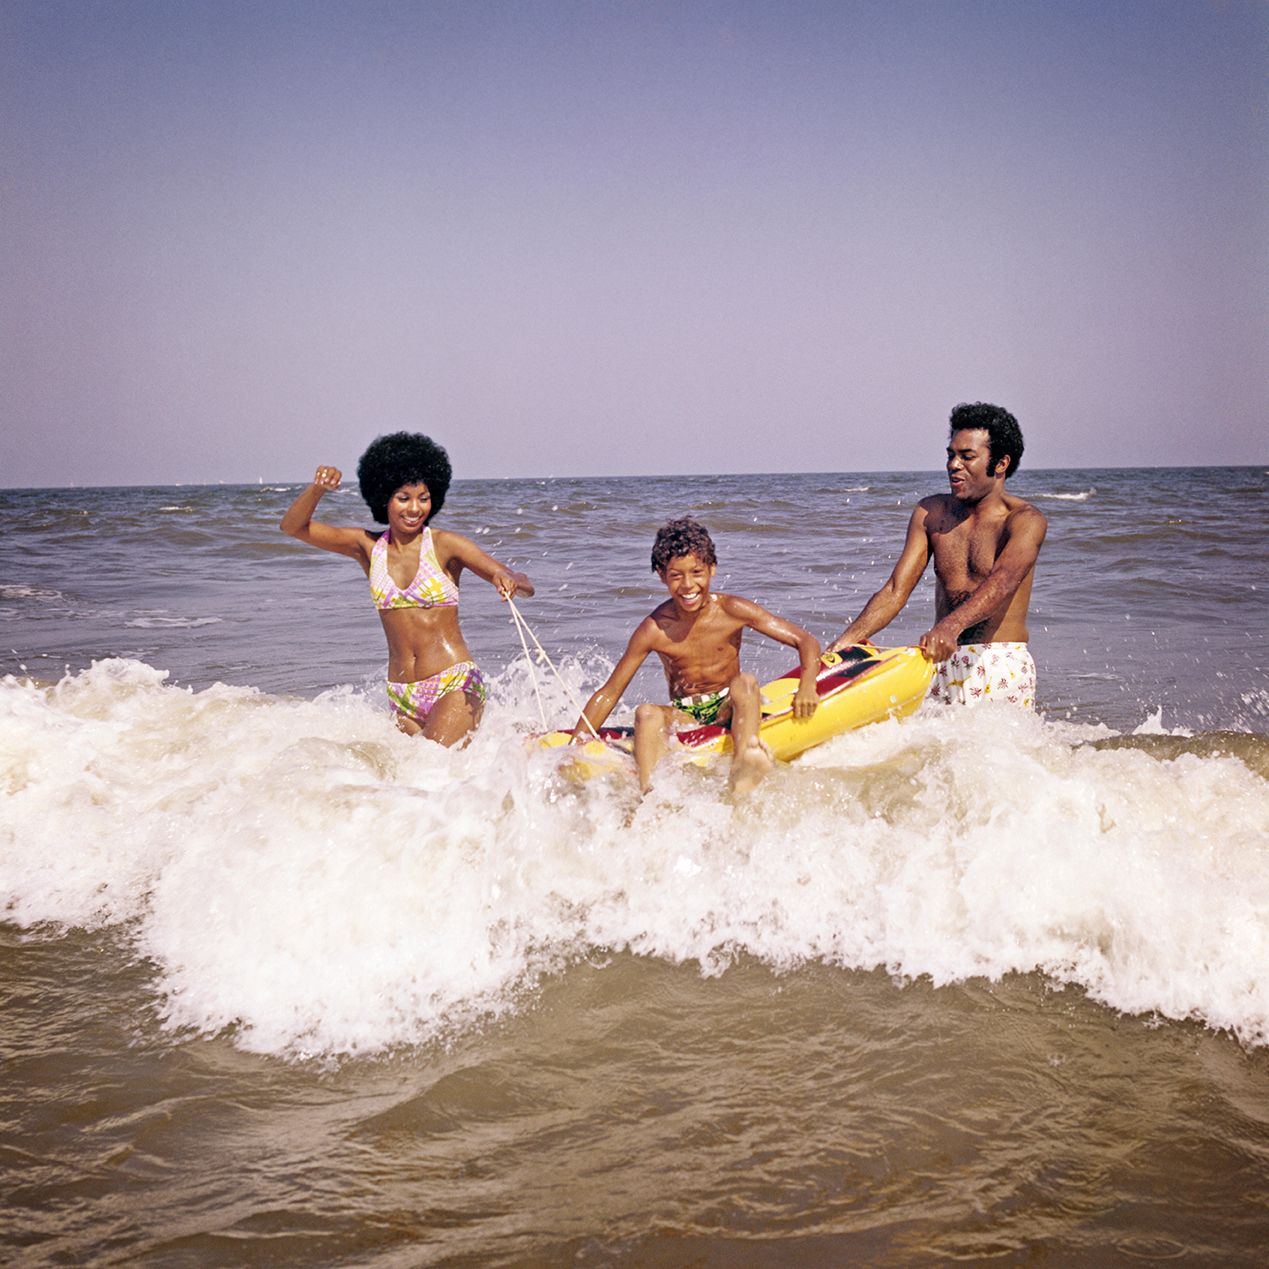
<point>1082,496</point>
<point>180,623</point>
<point>303,873</point>
<point>21,591</point>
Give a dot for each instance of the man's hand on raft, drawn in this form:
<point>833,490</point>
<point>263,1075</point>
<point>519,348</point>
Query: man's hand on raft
<point>938,647</point>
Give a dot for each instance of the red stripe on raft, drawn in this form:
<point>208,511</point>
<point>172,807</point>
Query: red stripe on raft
<point>856,661</point>
<point>849,661</point>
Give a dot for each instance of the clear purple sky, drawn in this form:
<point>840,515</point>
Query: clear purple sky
<point>241,237</point>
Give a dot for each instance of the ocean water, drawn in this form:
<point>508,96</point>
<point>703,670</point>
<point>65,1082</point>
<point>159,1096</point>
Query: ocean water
<point>281,986</point>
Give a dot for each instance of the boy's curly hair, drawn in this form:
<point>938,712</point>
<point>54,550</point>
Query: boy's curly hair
<point>682,537</point>
<point>402,458</point>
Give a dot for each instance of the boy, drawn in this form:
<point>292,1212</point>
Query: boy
<point>697,636</point>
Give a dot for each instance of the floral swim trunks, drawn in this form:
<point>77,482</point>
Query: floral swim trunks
<point>417,700</point>
<point>705,707</point>
<point>986,671</point>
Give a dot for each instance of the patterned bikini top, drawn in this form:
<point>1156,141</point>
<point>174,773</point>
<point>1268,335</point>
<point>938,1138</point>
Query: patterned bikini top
<point>432,587</point>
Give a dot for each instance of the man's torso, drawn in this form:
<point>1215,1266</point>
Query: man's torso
<point>965,544</point>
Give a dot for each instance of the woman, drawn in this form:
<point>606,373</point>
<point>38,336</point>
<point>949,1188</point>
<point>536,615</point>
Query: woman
<point>434,685</point>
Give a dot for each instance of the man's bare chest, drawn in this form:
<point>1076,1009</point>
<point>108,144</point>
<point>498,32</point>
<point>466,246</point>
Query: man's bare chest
<point>966,553</point>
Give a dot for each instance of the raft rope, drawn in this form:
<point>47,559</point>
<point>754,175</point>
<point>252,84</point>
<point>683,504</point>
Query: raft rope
<point>523,627</point>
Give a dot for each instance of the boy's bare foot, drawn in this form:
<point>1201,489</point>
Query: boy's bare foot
<point>750,765</point>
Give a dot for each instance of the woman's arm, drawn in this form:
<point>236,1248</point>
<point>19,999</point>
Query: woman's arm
<point>298,521</point>
<point>454,548</point>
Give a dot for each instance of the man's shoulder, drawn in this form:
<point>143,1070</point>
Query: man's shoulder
<point>938,510</point>
<point>1014,503</point>
<point>1021,511</point>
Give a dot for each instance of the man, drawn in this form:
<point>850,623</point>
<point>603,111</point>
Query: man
<point>984,542</point>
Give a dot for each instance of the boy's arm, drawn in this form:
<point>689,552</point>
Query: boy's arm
<point>605,700</point>
<point>298,521</point>
<point>887,603</point>
<point>806,699</point>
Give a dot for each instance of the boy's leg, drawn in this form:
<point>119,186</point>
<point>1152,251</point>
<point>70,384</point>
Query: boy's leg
<point>750,755</point>
<point>651,739</point>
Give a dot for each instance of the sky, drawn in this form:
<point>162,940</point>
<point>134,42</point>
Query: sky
<point>239,238</point>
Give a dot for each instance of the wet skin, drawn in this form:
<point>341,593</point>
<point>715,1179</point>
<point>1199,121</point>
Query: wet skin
<point>984,543</point>
<point>421,641</point>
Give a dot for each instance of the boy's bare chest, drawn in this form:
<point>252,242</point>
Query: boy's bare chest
<point>709,634</point>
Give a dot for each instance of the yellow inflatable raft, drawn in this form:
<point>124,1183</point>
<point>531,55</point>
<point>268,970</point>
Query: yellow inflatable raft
<point>857,686</point>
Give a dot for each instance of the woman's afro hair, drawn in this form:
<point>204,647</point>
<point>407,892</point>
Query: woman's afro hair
<point>402,458</point>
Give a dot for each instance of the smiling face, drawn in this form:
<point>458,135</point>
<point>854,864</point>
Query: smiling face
<point>687,579</point>
<point>969,471</point>
<point>409,509</point>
